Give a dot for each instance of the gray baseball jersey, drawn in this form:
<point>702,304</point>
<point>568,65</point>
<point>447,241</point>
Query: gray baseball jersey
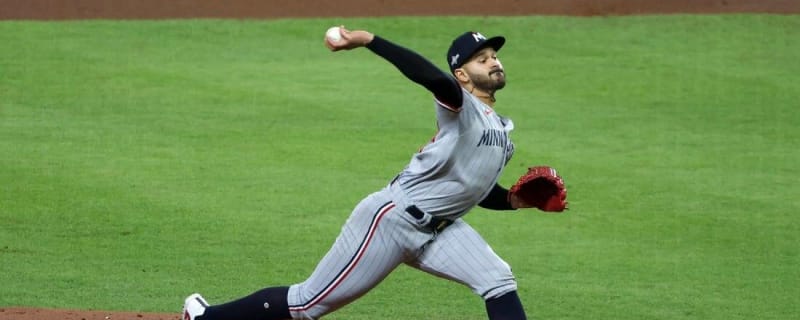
<point>446,178</point>
<point>462,163</point>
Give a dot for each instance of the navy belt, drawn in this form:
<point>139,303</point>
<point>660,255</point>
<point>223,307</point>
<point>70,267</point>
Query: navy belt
<point>436,224</point>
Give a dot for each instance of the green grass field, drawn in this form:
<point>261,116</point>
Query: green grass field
<point>143,161</point>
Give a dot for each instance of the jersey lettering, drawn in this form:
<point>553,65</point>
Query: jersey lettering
<point>494,138</point>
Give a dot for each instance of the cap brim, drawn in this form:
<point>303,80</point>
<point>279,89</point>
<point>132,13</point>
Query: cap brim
<point>495,42</point>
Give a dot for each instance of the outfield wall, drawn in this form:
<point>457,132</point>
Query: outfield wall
<point>165,9</point>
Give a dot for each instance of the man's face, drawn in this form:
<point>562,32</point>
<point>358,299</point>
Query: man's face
<point>485,70</point>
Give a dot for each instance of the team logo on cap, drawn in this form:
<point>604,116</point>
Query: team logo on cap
<point>454,59</point>
<point>478,36</point>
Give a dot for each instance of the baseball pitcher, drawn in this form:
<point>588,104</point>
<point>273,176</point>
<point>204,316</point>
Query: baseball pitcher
<point>416,219</point>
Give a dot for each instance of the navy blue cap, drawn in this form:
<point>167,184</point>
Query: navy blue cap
<point>467,44</point>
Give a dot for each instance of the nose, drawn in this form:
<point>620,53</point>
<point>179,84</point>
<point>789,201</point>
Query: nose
<point>496,64</point>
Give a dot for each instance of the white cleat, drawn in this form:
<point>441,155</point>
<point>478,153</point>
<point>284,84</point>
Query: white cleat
<point>194,306</point>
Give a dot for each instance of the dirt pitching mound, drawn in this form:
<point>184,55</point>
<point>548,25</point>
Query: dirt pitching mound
<point>57,314</point>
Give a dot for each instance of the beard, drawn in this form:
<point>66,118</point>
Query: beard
<point>491,82</point>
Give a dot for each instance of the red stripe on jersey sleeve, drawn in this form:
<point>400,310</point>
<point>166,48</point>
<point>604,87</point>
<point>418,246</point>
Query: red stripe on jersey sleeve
<point>446,106</point>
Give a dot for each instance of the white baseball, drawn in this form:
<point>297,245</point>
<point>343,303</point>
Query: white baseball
<point>333,34</point>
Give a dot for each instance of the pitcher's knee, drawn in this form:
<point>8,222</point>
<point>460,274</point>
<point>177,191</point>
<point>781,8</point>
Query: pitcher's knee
<point>497,289</point>
<point>495,282</point>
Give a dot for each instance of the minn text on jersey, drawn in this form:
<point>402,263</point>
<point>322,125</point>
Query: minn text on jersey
<point>493,137</point>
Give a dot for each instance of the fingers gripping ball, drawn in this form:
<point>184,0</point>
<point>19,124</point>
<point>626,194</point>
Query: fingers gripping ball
<point>333,34</point>
<point>542,188</point>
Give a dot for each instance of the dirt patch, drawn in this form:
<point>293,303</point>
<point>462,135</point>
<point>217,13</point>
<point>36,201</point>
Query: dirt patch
<point>249,9</point>
<point>55,314</point>
<point>160,9</point>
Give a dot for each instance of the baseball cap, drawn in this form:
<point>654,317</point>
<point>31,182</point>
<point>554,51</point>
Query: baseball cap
<point>467,44</point>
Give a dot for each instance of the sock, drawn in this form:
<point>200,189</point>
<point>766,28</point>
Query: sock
<point>505,307</point>
<point>265,304</point>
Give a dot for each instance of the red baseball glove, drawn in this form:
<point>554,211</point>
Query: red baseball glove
<point>541,187</point>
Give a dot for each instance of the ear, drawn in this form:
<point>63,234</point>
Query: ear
<point>461,75</point>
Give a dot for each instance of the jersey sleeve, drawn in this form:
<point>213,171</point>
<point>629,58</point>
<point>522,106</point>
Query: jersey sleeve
<point>420,70</point>
<point>497,199</point>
